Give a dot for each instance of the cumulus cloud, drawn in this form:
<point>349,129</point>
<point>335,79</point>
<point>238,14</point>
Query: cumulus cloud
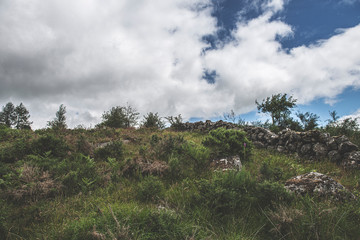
<point>91,55</point>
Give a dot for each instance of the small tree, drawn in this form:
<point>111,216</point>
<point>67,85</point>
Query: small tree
<point>22,117</point>
<point>8,115</point>
<point>152,120</point>
<point>176,122</point>
<point>120,117</point>
<point>278,106</point>
<point>309,120</point>
<point>60,121</point>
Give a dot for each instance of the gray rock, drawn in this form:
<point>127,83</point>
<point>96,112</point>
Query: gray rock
<point>352,161</point>
<point>306,149</point>
<point>317,184</point>
<point>331,144</point>
<point>320,150</point>
<point>346,147</point>
<point>334,156</point>
<point>258,144</point>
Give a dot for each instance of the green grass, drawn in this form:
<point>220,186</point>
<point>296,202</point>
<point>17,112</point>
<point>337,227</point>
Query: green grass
<point>109,196</point>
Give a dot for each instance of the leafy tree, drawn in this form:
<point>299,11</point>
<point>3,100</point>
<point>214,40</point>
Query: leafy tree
<point>22,117</point>
<point>152,120</point>
<point>8,114</point>
<point>176,122</point>
<point>309,120</point>
<point>120,117</point>
<point>278,106</point>
<point>334,117</point>
<point>60,121</point>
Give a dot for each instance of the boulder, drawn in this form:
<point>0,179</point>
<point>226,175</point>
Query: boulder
<point>320,150</point>
<point>317,184</point>
<point>346,147</point>
<point>352,160</point>
<point>227,163</point>
<point>334,156</point>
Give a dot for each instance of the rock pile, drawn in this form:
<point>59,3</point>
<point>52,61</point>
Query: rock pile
<point>310,145</point>
<point>228,163</point>
<point>207,126</point>
<point>320,185</point>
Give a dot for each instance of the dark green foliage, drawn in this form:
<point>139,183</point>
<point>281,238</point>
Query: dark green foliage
<point>231,192</point>
<point>8,115</point>
<point>77,173</point>
<point>269,173</point>
<point>111,150</point>
<point>225,143</point>
<point>22,117</point>
<point>152,120</point>
<point>83,146</point>
<point>164,147</point>
<point>278,106</point>
<point>120,117</point>
<point>176,122</point>
<point>16,151</point>
<point>308,120</point>
<point>50,144</point>
<point>150,189</point>
<point>60,121</point>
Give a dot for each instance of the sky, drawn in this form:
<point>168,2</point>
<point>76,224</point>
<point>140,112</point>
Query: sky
<point>197,58</point>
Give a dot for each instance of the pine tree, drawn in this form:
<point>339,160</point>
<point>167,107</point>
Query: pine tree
<point>8,115</point>
<point>22,117</point>
<point>60,121</point>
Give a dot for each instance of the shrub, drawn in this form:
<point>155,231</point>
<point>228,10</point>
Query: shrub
<point>50,143</point>
<point>78,173</point>
<point>120,117</point>
<point>225,143</point>
<point>150,189</point>
<point>176,122</point>
<point>152,120</point>
<point>112,150</point>
<point>16,151</point>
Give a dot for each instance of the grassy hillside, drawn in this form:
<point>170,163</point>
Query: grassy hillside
<point>153,184</point>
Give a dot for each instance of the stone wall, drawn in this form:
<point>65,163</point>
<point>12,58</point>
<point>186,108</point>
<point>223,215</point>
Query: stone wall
<point>311,145</point>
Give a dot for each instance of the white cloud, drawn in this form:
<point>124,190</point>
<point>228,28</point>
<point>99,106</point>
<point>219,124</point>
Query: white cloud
<point>91,55</point>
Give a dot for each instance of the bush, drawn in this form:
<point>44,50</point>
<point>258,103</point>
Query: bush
<point>78,173</point>
<point>153,121</point>
<point>224,143</point>
<point>49,143</point>
<point>120,117</point>
<point>16,151</point>
<point>112,150</point>
<point>176,122</point>
<point>229,193</point>
<point>150,189</point>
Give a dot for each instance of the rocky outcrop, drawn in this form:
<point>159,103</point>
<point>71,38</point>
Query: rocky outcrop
<point>320,185</point>
<point>228,163</point>
<point>312,145</point>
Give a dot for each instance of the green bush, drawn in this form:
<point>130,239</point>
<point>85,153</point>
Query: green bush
<point>16,151</point>
<point>232,192</point>
<point>112,150</point>
<point>225,143</point>
<point>78,173</point>
<point>50,143</point>
<point>162,148</point>
<point>150,189</point>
